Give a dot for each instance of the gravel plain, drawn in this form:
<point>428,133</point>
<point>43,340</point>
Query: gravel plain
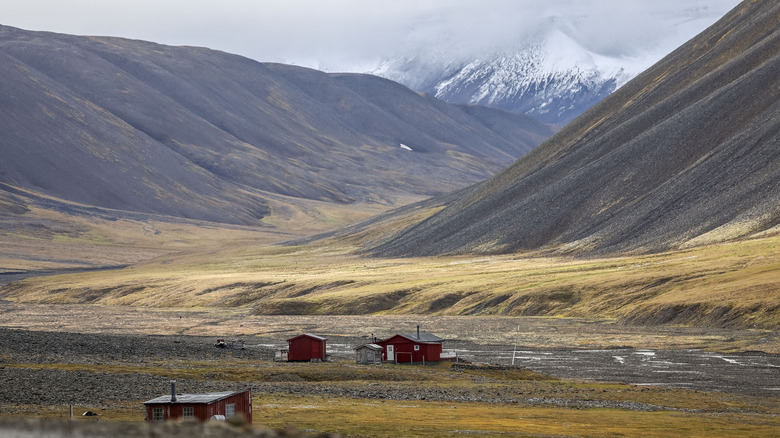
<point>755,374</point>
<point>58,386</point>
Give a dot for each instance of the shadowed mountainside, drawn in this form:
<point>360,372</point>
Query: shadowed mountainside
<point>200,134</point>
<point>687,153</point>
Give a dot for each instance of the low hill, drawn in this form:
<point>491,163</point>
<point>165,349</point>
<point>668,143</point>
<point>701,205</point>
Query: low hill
<point>185,132</point>
<point>685,154</point>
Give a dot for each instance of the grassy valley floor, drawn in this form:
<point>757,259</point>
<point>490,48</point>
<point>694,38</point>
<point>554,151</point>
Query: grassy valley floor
<point>108,340</point>
<point>732,285</point>
<point>113,374</point>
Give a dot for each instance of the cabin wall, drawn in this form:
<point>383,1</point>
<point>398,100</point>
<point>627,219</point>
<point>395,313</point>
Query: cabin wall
<point>203,411</point>
<point>405,352</point>
<point>242,402</point>
<point>306,349</point>
<point>432,352</point>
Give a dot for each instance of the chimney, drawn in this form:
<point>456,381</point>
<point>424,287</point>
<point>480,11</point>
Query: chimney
<point>418,332</point>
<point>173,391</point>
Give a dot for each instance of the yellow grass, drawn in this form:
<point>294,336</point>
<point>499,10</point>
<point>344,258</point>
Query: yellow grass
<point>684,413</point>
<point>437,419</point>
<point>740,279</point>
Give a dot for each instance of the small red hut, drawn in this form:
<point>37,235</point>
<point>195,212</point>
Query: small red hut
<point>307,347</point>
<point>409,348</point>
<point>201,407</point>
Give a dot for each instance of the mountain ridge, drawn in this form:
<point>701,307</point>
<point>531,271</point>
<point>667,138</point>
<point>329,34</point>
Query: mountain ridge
<point>201,134</point>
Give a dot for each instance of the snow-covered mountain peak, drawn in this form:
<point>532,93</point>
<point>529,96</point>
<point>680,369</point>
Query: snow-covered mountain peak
<point>547,77</point>
<point>558,63</point>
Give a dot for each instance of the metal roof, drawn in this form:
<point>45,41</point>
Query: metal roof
<point>371,346</point>
<point>309,335</point>
<point>424,337</point>
<point>193,398</point>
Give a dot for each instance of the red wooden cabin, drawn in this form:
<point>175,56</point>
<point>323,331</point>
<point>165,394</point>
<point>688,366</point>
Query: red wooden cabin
<point>307,347</point>
<point>201,407</point>
<point>409,348</point>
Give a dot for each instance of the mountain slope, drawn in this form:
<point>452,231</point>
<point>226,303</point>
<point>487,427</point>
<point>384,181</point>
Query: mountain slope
<point>686,153</point>
<point>200,134</point>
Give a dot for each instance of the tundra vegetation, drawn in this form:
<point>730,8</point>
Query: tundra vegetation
<point>112,374</point>
<point>250,290</point>
<point>730,284</point>
<point>627,228</point>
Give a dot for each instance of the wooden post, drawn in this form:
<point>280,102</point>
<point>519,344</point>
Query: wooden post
<point>71,412</point>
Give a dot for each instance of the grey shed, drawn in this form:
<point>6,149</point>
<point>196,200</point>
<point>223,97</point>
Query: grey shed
<point>368,354</point>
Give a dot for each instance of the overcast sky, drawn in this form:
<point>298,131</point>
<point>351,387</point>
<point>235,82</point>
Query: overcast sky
<point>350,34</point>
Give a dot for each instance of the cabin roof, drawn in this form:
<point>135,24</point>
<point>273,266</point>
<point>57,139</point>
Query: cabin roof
<point>308,335</point>
<point>370,346</point>
<point>425,338</point>
<point>193,398</point>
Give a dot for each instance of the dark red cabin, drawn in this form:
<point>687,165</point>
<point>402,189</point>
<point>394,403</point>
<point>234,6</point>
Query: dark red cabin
<point>409,348</point>
<point>201,407</point>
<point>307,347</point>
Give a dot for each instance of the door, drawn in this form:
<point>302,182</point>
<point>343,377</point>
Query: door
<point>390,352</point>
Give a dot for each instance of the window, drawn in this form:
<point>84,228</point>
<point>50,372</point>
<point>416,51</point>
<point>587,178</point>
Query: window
<point>416,348</point>
<point>188,412</point>
<point>157,414</point>
<point>230,410</point>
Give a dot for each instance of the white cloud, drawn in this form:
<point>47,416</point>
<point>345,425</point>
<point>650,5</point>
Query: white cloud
<point>338,33</point>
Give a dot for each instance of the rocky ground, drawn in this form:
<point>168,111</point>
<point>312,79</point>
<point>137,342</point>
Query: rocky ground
<point>28,386</point>
<point>63,386</point>
<point>52,370</point>
<point>52,387</point>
